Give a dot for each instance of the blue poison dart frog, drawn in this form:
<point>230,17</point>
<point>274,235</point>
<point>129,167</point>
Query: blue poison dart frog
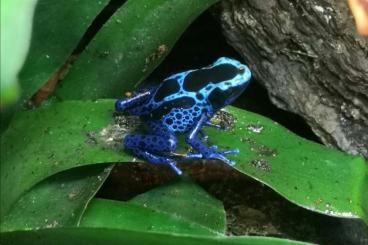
<point>184,103</point>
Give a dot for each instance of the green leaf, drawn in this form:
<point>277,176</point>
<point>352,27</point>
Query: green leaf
<point>42,142</point>
<point>306,173</point>
<point>186,200</point>
<point>129,46</point>
<point>181,207</point>
<point>58,201</point>
<point>58,27</point>
<point>121,215</point>
<point>16,28</point>
<point>102,236</point>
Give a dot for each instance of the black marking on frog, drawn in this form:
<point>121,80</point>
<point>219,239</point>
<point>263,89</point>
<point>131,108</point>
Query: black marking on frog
<point>166,108</point>
<point>168,87</point>
<point>184,103</point>
<point>201,78</point>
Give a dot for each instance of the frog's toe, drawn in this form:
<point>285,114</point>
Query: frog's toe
<point>220,156</point>
<point>227,160</point>
<point>231,163</point>
<point>192,156</point>
<point>231,151</point>
<point>204,135</point>
<point>173,166</point>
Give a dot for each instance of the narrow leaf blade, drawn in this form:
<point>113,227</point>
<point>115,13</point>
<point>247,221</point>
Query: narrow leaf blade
<point>58,27</point>
<point>129,46</point>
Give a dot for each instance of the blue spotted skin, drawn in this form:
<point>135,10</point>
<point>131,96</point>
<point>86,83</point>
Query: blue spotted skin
<point>184,103</point>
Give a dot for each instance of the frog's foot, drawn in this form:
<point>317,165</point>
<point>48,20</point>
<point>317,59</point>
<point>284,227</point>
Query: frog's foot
<point>229,151</point>
<point>213,155</point>
<point>220,155</point>
<point>143,146</point>
<point>207,152</point>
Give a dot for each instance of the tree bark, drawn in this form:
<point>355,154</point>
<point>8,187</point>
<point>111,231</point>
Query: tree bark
<point>311,60</point>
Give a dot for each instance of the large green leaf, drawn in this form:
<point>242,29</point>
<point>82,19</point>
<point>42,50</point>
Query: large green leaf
<point>188,201</point>
<point>121,215</point>
<point>96,236</point>
<point>58,27</point>
<point>16,27</point>
<point>306,173</point>
<point>129,46</point>
<point>58,201</point>
<point>48,140</point>
<point>181,207</point>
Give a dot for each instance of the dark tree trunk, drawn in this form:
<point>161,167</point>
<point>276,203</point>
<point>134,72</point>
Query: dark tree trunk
<point>309,57</point>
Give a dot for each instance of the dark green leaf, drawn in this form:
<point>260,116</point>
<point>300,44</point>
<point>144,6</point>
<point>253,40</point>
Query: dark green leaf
<point>121,215</point>
<point>188,201</point>
<point>58,201</point>
<point>308,174</point>
<point>129,46</point>
<point>181,207</point>
<point>58,26</point>
<point>48,140</point>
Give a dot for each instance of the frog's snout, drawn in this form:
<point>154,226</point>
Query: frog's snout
<point>246,72</point>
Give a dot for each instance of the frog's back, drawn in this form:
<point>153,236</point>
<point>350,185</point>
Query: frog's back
<point>181,99</point>
<point>172,106</point>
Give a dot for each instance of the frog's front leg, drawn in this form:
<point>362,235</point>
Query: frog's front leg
<point>207,152</point>
<point>121,105</point>
<point>203,134</point>
<point>152,148</point>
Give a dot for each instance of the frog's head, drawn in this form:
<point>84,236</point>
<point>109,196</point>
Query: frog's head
<point>235,77</point>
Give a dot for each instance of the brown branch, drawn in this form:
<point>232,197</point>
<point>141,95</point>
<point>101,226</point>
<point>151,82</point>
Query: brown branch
<point>49,86</point>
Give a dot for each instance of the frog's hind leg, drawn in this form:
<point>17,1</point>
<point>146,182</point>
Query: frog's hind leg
<point>151,148</point>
